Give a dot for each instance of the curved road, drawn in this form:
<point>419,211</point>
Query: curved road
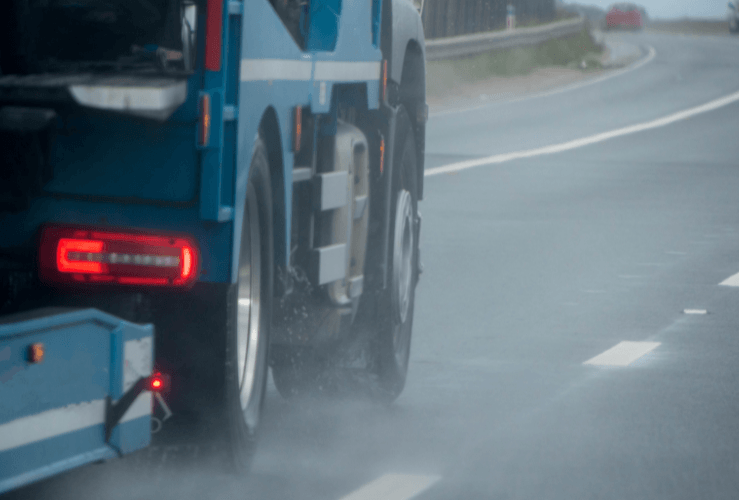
<point>534,267</point>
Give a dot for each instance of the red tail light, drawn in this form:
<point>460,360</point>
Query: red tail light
<point>213,35</point>
<point>69,255</point>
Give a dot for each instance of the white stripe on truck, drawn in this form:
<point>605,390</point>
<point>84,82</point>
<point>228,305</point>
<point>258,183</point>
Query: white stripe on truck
<point>275,69</point>
<point>253,70</point>
<point>340,71</point>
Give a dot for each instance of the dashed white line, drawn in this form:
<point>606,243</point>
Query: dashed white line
<point>393,487</point>
<point>585,141</point>
<point>622,354</point>
<point>695,311</point>
<point>731,281</point>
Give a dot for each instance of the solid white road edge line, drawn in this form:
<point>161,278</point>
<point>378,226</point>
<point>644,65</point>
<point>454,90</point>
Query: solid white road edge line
<point>393,487</point>
<point>731,281</point>
<point>586,141</point>
<point>622,354</point>
<point>651,53</point>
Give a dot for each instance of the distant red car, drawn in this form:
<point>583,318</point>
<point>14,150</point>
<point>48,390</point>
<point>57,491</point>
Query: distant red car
<point>625,15</point>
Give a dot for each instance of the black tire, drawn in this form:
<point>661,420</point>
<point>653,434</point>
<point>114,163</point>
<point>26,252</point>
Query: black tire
<point>249,313</point>
<point>390,346</point>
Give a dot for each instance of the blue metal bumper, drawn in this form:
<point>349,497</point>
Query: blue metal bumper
<point>53,411</point>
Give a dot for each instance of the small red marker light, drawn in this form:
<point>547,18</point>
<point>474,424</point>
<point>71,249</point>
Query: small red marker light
<point>157,382</point>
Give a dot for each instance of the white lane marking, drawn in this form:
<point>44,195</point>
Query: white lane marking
<point>586,141</point>
<point>393,487</point>
<point>731,280</point>
<point>622,353</point>
<point>695,311</point>
<point>651,53</point>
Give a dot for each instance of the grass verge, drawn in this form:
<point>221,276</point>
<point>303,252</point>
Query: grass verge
<point>567,52</point>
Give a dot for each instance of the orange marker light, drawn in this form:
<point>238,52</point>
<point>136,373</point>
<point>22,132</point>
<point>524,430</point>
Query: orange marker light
<point>382,155</point>
<point>204,133</point>
<point>36,353</point>
<point>383,91</point>
<point>298,130</point>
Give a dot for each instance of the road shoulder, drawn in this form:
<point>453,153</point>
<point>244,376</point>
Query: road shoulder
<point>618,53</point>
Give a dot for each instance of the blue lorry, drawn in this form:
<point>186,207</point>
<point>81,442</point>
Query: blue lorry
<point>192,192</point>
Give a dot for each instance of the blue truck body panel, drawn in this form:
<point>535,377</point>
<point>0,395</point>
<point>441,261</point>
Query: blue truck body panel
<point>52,413</point>
<point>116,144</point>
<point>276,74</point>
<point>112,170</point>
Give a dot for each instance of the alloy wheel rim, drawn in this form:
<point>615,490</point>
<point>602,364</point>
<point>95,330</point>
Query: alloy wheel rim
<point>248,312</point>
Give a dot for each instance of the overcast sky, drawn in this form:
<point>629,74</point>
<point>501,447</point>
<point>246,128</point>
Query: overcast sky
<point>671,8</point>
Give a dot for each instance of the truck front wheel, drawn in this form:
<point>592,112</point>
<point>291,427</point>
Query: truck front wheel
<point>394,319</point>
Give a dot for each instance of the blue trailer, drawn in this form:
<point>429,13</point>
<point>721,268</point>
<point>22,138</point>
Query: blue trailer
<point>241,178</point>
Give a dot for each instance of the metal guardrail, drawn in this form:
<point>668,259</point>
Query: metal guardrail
<point>468,45</point>
<point>445,18</point>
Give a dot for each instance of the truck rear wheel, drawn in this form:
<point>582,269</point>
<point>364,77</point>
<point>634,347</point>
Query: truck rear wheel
<point>390,348</point>
<point>247,335</point>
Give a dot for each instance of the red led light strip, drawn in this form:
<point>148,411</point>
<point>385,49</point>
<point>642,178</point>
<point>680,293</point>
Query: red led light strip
<point>71,255</point>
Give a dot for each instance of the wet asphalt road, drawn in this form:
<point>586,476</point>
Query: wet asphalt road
<point>533,267</point>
